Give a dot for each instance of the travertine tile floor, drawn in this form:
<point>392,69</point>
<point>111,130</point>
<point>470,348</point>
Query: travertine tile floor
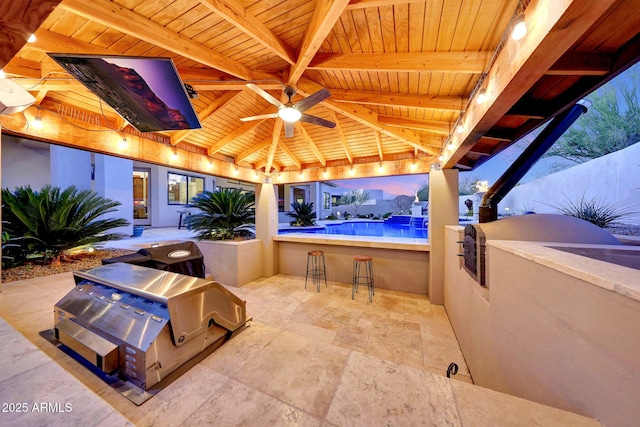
<point>307,359</point>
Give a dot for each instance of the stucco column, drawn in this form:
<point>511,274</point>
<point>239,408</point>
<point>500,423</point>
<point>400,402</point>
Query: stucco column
<point>443,210</point>
<point>267,226</point>
<point>114,180</point>
<point>70,166</point>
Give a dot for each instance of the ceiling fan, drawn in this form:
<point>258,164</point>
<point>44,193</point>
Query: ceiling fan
<point>289,112</point>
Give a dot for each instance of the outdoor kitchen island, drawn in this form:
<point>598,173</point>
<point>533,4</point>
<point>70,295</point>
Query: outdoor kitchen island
<point>551,326</point>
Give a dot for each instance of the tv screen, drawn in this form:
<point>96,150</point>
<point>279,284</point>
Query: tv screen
<point>146,92</point>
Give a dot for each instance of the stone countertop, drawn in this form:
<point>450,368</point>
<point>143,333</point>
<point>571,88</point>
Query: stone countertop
<point>620,279</point>
<point>397,243</point>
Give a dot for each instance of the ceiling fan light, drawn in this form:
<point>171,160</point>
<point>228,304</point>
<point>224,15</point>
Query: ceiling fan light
<point>289,114</point>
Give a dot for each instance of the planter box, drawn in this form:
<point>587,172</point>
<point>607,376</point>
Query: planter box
<point>232,263</point>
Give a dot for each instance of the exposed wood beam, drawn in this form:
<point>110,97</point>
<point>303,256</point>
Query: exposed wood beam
<point>18,20</point>
<point>219,102</point>
<point>42,94</point>
<point>343,140</point>
<point>487,151</point>
<point>128,22</point>
<point>324,17</point>
<point>311,144</point>
<point>449,103</point>
<point>288,152</point>
<point>411,62</point>
<point>581,64</point>
<point>233,12</point>
<point>370,119</point>
<point>253,149</point>
<point>275,138</point>
<point>238,132</point>
<point>362,4</point>
<point>23,67</point>
<point>436,126</point>
<point>263,164</point>
<point>520,64</point>
<point>379,144</point>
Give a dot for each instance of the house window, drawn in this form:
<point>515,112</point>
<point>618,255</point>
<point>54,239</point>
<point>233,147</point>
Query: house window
<point>327,201</point>
<point>183,188</point>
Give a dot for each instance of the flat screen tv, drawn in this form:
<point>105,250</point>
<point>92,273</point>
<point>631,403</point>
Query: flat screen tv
<point>146,92</point>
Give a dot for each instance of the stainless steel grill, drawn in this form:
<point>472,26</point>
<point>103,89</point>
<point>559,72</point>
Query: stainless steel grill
<point>143,327</point>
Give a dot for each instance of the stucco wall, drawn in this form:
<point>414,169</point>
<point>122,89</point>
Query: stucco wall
<point>614,178</point>
<point>543,335</point>
<point>400,270</point>
<point>24,162</point>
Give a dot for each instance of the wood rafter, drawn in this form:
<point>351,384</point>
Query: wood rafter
<point>238,132</point>
<point>289,153</point>
<point>252,150</point>
<point>233,12</point>
<point>325,16</point>
<point>435,126</point>
<point>219,102</point>
<point>275,138</point>
<point>379,144</point>
<point>443,62</point>
<point>311,144</point>
<point>449,103</point>
<point>128,22</point>
<point>343,140</point>
<point>363,4</point>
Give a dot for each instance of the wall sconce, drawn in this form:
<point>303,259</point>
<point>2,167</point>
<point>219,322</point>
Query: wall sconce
<point>450,146</point>
<point>482,96</point>
<point>519,28</point>
<point>440,158</point>
<point>37,121</point>
<point>352,171</point>
<point>325,173</point>
<point>174,155</point>
<point>460,128</point>
<point>380,168</point>
<point>235,170</point>
<point>123,143</point>
<point>413,165</point>
<point>31,39</point>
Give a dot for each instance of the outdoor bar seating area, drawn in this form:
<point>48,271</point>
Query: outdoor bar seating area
<point>198,123</point>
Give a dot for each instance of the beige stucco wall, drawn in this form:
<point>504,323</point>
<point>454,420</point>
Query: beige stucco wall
<point>544,335</point>
<point>232,263</point>
<point>401,270</point>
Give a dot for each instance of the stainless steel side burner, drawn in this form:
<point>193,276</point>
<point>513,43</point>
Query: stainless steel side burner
<point>141,327</point>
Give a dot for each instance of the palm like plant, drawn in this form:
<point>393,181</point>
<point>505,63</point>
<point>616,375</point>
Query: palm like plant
<point>224,214</point>
<point>51,221</point>
<point>303,214</point>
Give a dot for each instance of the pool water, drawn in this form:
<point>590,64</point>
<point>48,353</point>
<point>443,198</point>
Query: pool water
<point>365,228</point>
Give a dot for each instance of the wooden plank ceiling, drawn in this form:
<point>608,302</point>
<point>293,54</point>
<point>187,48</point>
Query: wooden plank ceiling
<point>403,74</point>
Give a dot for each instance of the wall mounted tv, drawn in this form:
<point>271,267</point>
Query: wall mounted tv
<point>146,92</point>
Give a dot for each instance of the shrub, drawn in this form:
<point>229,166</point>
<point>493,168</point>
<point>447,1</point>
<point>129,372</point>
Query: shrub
<point>224,215</point>
<point>332,217</point>
<point>48,222</point>
<point>594,210</point>
<point>303,214</point>
<point>387,215</point>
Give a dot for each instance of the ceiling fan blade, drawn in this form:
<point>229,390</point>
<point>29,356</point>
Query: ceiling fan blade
<point>265,95</point>
<point>260,117</point>
<point>288,129</point>
<point>312,100</point>
<point>317,121</point>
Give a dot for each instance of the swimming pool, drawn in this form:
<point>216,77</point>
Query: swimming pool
<point>365,228</point>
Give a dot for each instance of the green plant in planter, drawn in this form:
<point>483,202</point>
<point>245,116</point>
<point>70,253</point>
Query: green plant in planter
<point>224,215</point>
<point>303,214</point>
<point>48,222</point>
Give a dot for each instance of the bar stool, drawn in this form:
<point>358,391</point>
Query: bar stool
<point>362,274</point>
<point>316,269</point>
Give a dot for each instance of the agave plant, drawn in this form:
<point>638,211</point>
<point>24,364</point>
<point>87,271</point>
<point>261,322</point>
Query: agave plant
<point>51,221</point>
<point>225,214</point>
<point>595,211</point>
<point>303,214</point>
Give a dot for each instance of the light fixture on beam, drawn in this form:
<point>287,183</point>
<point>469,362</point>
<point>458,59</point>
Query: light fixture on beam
<point>519,28</point>
<point>482,96</point>
<point>123,143</point>
<point>31,39</point>
<point>2,74</point>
